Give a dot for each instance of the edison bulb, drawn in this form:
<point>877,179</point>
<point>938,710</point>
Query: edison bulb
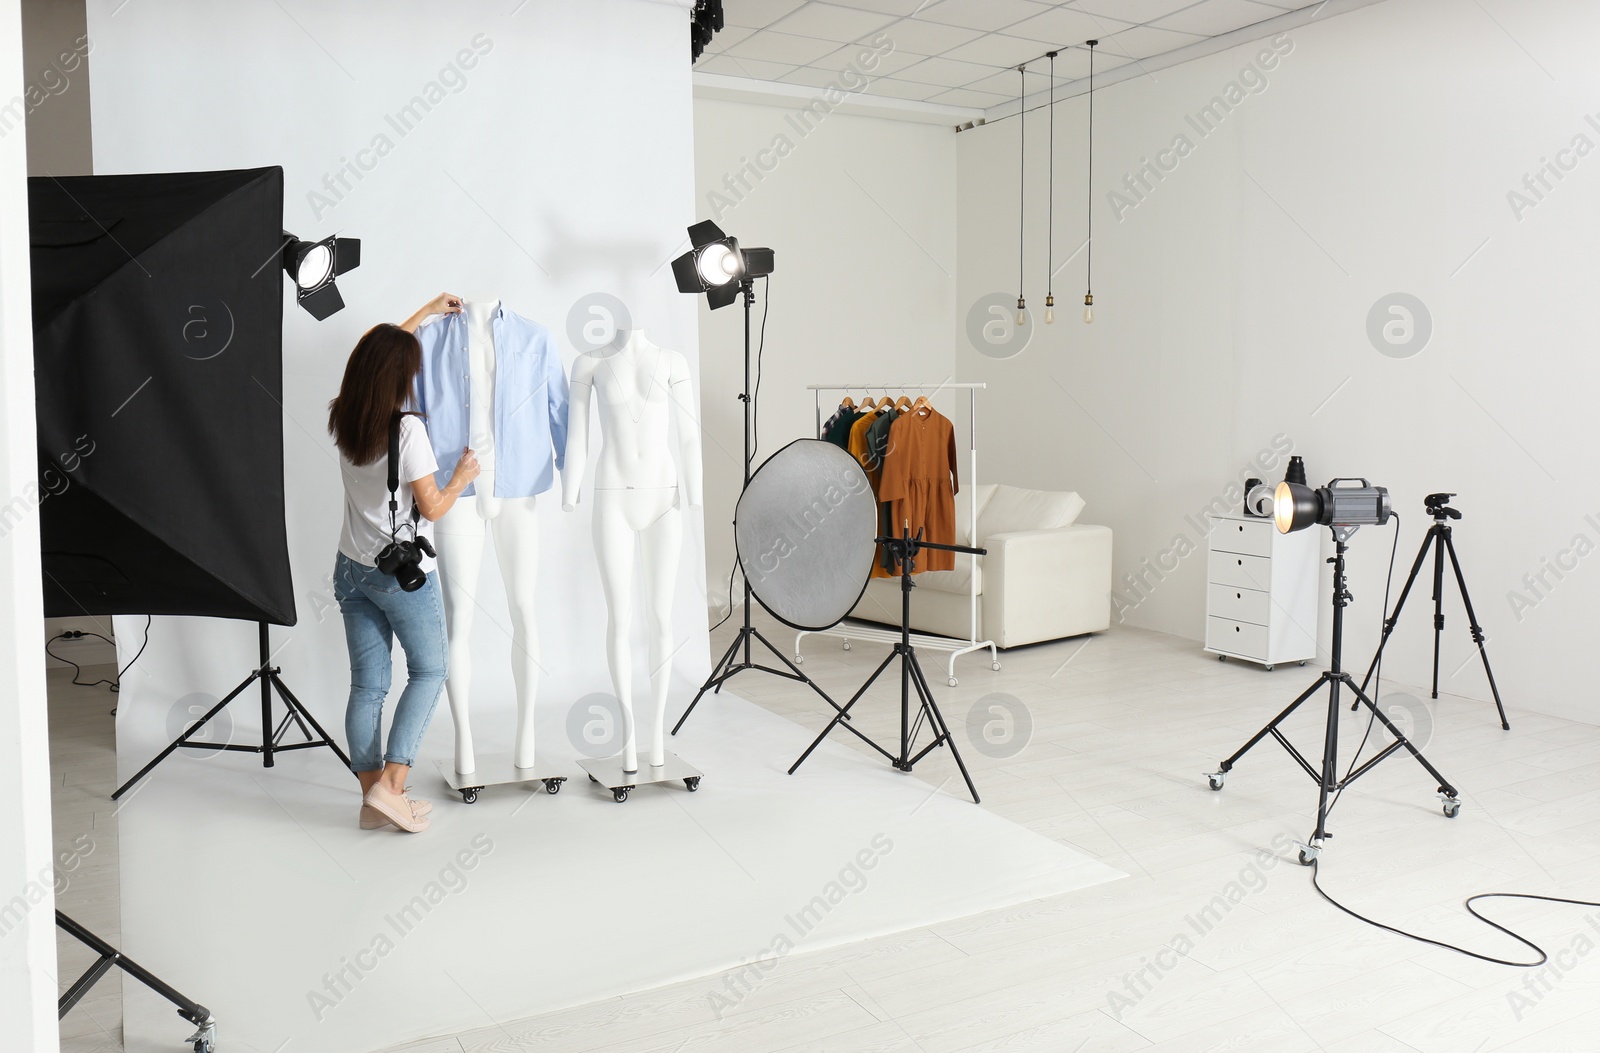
<point>1022,317</point>
<point>1049,315</point>
<point>1088,315</point>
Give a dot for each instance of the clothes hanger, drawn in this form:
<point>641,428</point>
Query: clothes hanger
<point>847,403</point>
<point>866,403</point>
<point>921,405</point>
<point>902,403</point>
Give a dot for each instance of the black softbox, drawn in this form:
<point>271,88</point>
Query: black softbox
<point>158,361</point>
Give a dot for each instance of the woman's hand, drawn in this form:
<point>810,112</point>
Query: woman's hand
<point>467,468</point>
<point>444,303</point>
<point>432,502</point>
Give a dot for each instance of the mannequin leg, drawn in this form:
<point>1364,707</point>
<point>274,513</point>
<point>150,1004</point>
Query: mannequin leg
<point>614,544</point>
<point>516,546</point>
<point>662,545</point>
<point>459,538</point>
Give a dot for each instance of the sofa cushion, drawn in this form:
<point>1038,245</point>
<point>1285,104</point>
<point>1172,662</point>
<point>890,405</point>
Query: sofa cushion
<point>1012,509</point>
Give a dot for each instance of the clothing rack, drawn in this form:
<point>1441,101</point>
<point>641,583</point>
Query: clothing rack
<point>957,648</point>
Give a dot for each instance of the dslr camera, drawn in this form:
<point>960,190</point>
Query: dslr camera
<point>402,560</point>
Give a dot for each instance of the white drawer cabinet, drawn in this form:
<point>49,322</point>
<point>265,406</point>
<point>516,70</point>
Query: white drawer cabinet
<point>1261,592</point>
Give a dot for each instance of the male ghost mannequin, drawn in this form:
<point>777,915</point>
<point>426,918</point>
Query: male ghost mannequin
<point>638,496</point>
<point>459,537</point>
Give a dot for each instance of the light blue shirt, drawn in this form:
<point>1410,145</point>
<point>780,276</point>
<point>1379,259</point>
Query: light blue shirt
<point>530,401</point>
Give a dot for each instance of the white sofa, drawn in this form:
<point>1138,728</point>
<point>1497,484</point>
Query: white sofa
<point>1046,576</point>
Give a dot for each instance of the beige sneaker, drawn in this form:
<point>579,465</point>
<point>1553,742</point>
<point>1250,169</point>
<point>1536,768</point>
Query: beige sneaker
<point>372,819</point>
<point>395,808</point>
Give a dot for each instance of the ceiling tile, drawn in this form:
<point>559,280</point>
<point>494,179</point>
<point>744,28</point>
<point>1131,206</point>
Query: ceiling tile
<point>1216,17</point>
<point>1132,10</point>
<point>1144,41</point>
<point>813,78</point>
<point>772,46</point>
<point>831,22</point>
<point>927,38</point>
<point>753,69</point>
<point>859,55</point>
<point>996,50</point>
<point>949,72</point>
<point>758,14</point>
<point>726,37</point>
<point>1062,26</point>
<point>967,97</point>
<point>981,14</point>
<point>899,89</point>
<point>899,8</point>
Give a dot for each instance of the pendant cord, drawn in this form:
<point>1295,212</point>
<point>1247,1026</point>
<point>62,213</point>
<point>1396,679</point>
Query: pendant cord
<point>1022,173</point>
<point>1050,228</point>
<point>1089,279</point>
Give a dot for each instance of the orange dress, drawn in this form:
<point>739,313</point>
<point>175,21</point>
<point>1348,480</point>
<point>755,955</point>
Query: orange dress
<point>920,482</point>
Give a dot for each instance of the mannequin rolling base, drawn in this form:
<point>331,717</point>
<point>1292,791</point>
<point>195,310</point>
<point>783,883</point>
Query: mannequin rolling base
<point>499,769</point>
<point>607,772</point>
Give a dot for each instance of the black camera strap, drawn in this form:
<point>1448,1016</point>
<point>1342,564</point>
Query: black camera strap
<point>394,481</point>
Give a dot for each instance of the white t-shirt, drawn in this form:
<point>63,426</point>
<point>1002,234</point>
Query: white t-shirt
<point>366,496</point>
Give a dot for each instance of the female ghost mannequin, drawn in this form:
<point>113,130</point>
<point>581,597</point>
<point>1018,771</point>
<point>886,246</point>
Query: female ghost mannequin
<point>642,390</point>
<point>459,537</point>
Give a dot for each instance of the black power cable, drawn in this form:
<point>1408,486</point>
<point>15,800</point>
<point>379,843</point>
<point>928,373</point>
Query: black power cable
<point>1316,872</point>
<point>77,670</point>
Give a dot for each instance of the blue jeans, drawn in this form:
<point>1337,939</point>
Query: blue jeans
<point>376,610</point>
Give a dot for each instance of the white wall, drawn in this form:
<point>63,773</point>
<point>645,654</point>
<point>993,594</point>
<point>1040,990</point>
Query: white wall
<point>557,164</point>
<point>1232,303</point>
<point>861,211</point>
<point>27,897</point>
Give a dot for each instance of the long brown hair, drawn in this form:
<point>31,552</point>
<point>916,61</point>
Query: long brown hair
<point>377,385</point>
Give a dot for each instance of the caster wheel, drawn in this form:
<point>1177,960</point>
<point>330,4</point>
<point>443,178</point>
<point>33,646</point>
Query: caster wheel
<point>620,794</point>
<point>1302,663</point>
<point>799,659</point>
<point>553,785</point>
<point>1307,857</point>
<point>593,779</point>
<point>954,681</point>
<point>1222,658</point>
<point>995,666</point>
<point>692,783</point>
<point>1452,808</point>
<point>847,645</point>
<point>1269,669</point>
<point>1216,779</point>
<point>470,796</point>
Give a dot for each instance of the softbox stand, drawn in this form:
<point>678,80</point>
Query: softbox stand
<point>1438,538</point>
<point>904,549</point>
<point>205,1036</point>
<point>268,675</point>
<point>739,656</point>
<point>1327,774</point>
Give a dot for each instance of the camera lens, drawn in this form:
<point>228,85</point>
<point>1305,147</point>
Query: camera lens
<point>411,577</point>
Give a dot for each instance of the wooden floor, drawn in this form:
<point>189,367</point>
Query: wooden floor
<point>1216,941</point>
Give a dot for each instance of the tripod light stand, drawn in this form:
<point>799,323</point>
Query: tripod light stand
<point>1342,509</point>
<point>905,549</point>
<point>718,267</point>
<point>295,711</point>
<point>1438,538</point>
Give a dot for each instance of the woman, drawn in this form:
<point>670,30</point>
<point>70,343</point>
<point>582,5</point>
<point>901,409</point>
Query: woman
<point>377,385</point>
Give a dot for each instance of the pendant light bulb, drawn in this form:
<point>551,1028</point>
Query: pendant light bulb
<point>1022,311</point>
<point>1088,309</point>
<point>1049,309</point>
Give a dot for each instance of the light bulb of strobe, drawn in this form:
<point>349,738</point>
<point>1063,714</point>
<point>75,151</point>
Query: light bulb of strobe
<point>314,267</point>
<point>717,264</point>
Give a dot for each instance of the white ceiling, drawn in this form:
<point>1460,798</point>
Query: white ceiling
<point>964,53</point>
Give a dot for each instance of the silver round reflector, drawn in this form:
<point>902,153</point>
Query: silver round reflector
<point>805,529</point>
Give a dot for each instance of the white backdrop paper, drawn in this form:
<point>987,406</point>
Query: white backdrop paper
<point>537,152</point>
